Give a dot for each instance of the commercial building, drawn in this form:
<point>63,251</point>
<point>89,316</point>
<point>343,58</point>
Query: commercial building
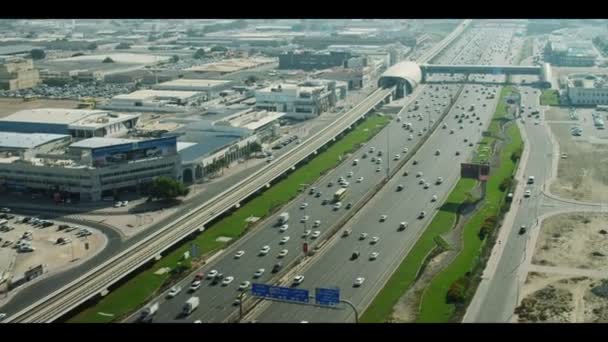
<point>354,78</point>
<point>570,54</point>
<point>17,73</point>
<point>89,169</point>
<point>587,89</point>
<point>231,65</point>
<point>211,88</point>
<point>75,122</point>
<point>26,144</point>
<point>300,101</point>
<point>309,60</point>
<point>155,101</point>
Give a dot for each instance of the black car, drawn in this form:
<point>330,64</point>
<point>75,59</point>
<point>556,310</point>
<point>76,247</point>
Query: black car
<point>277,267</point>
<point>415,162</point>
<point>355,255</point>
<point>349,205</point>
<point>522,230</point>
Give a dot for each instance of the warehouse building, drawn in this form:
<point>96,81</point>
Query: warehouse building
<point>211,88</point>
<point>75,122</point>
<point>28,144</point>
<point>18,73</point>
<point>89,169</point>
<point>310,60</point>
<point>587,89</point>
<point>155,101</point>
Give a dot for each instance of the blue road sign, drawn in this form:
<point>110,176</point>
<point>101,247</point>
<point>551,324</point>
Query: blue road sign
<point>327,296</point>
<point>280,293</point>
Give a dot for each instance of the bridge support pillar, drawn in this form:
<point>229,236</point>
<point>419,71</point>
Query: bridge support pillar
<point>104,292</point>
<point>315,152</point>
<point>157,257</point>
<point>293,168</point>
<point>201,229</point>
<point>268,186</point>
<point>238,205</point>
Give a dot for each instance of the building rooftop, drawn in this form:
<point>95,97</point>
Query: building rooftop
<point>51,115</point>
<point>100,142</point>
<point>195,83</point>
<point>27,140</point>
<point>149,94</point>
<point>207,138</point>
<point>16,49</point>
<point>231,65</point>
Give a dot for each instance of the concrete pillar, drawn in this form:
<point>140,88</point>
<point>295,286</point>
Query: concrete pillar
<point>104,292</point>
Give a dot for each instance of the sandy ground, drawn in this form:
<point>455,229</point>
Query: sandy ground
<point>563,299</point>
<point>557,114</point>
<point>565,240</point>
<point>47,251</point>
<point>582,175</point>
<point>9,106</point>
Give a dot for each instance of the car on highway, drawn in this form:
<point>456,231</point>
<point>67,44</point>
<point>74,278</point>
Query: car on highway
<point>244,285</point>
<point>239,254</point>
<point>315,234</point>
<point>297,280</point>
<point>373,255</point>
<point>337,206</point>
<point>399,187</point>
<point>383,218</point>
<point>355,255</point>
<point>434,198</point>
<point>415,162</point>
<point>284,228</point>
<point>349,205</point>
<point>174,291</point>
<point>359,281</point>
<point>439,180</point>
<point>396,157</point>
<point>438,152</point>
<point>410,137</point>
<point>419,174</point>
<point>312,190</point>
<point>528,193</point>
<point>374,240</point>
<point>259,273</point>
<point>195,285</point>
<point>212,274</point>
<point>363,236</point>
<point>284,240</point>
<point>350,174</point>
<point>422,214</point>
<point>330,184</point>
<point>264,250</point>
<point>316,224</point>
<point>318,194</point>
<point>402,226</point>
<point>277,267</point>
<point>522,230</point>
<point>303,205</point>
<point>306,233</point>
<point>227,280</point>
<point>304,218</point>
<point>360,179</point>
<point>405,150</point>
<point>346,232</point>
<point>426,185</point>
<point>421,181</point>
<point>283,253</point>
<point>378,169</point>
<point>325,201</point>
<point>457,153</point>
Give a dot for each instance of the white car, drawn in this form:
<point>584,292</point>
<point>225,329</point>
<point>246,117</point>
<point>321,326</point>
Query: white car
<point>360,179</point>
<point>239,254</point>
<point>265,250</point>
<point>378,169</point>
<point>306,233</point>
<point>421,181</point>
<point>284,228</point>
<point>396,157</point>
<point>350,174</point>
<point>383,218</point>
<point>244,285</point>
<point>298,279</point>
<point>359,281</point>
<point>304,218</point>
<point>374,240</point>
<point>337,205</point>
<point>419,174</point>
<point>174,291</point>
<point>316,234</point>
<point>439,180</point>
<point>527,193</point>
<point>426,185</point>
<point>345,184</point>
<point>303,205</point>
<point>284,239</point>
<point>362,236</point>
<point>259,273</point>
<point>434,198</point>
<point>283,253</point>
<point>124,203</point>
<point>212,274</point>
<point>317,224</point>
<point>410,137</point>
<point>195,285</point>
<point>118,204</point>
<point>374,256</point>
<point>227,280</point>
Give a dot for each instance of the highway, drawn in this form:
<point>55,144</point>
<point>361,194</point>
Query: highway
<point>334,269</point>
<point>216,300</point>
<point>98,279</point>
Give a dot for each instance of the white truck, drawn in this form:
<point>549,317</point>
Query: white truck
<point>190,306</point>
<point>148,312</point>
<point>283,218</point>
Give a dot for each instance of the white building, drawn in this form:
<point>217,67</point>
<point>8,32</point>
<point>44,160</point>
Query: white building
<point>211,88</point>
<point>587,89</point>
<point>300,101</point>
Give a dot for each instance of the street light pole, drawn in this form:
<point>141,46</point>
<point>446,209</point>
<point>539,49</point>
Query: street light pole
<point>388,151</point>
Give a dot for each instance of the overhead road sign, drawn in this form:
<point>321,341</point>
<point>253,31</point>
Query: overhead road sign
<point>279,293</point>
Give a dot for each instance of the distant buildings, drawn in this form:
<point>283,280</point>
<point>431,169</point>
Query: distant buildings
<point>587,89</point>
<point>155,101</point>
<point>570,54</point>
<point>309,60</point>
<point>211,88</point>
<point>17,73</point>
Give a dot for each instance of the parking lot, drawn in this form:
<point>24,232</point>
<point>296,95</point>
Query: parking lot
<point>56,245</point>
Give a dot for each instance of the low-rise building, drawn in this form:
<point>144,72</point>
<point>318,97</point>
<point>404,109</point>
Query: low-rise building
<point>18,73</point>
<point>211,88</point>
<point>587,89</point>
<point>155,101</point>
<point>570,54</point>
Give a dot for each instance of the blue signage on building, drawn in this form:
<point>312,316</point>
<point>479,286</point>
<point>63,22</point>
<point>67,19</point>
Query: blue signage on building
<point>327,296</point>
<point>279,292</point>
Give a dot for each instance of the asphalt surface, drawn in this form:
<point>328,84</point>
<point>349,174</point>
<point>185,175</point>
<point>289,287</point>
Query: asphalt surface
<point>334,269</point>
<point>216,301</point>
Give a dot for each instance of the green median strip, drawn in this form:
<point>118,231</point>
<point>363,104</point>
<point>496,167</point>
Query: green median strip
<point>434,306</point>
<point>142,287</point>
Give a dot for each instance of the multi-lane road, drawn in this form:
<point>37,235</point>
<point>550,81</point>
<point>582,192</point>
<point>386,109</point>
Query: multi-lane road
<point>216,300</point>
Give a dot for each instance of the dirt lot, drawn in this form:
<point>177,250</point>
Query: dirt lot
<point>566,240</point>
<point>562,299</point>
<point>10,105</point>
<point>558,114</point>
<point>47,251</point>
<point>582,175</point>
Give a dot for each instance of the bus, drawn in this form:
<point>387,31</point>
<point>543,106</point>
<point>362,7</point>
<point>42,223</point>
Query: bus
<point>339,195</point>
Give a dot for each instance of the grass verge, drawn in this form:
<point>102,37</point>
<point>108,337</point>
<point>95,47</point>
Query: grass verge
<point>129,296</point>
<point>434,307</point>
<point>549,97</point>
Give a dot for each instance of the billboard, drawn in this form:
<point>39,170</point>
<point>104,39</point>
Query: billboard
<point>134,151</point>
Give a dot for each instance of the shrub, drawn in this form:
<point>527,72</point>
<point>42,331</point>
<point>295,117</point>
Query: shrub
<point>505,184</point>
<point>457,292</point>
